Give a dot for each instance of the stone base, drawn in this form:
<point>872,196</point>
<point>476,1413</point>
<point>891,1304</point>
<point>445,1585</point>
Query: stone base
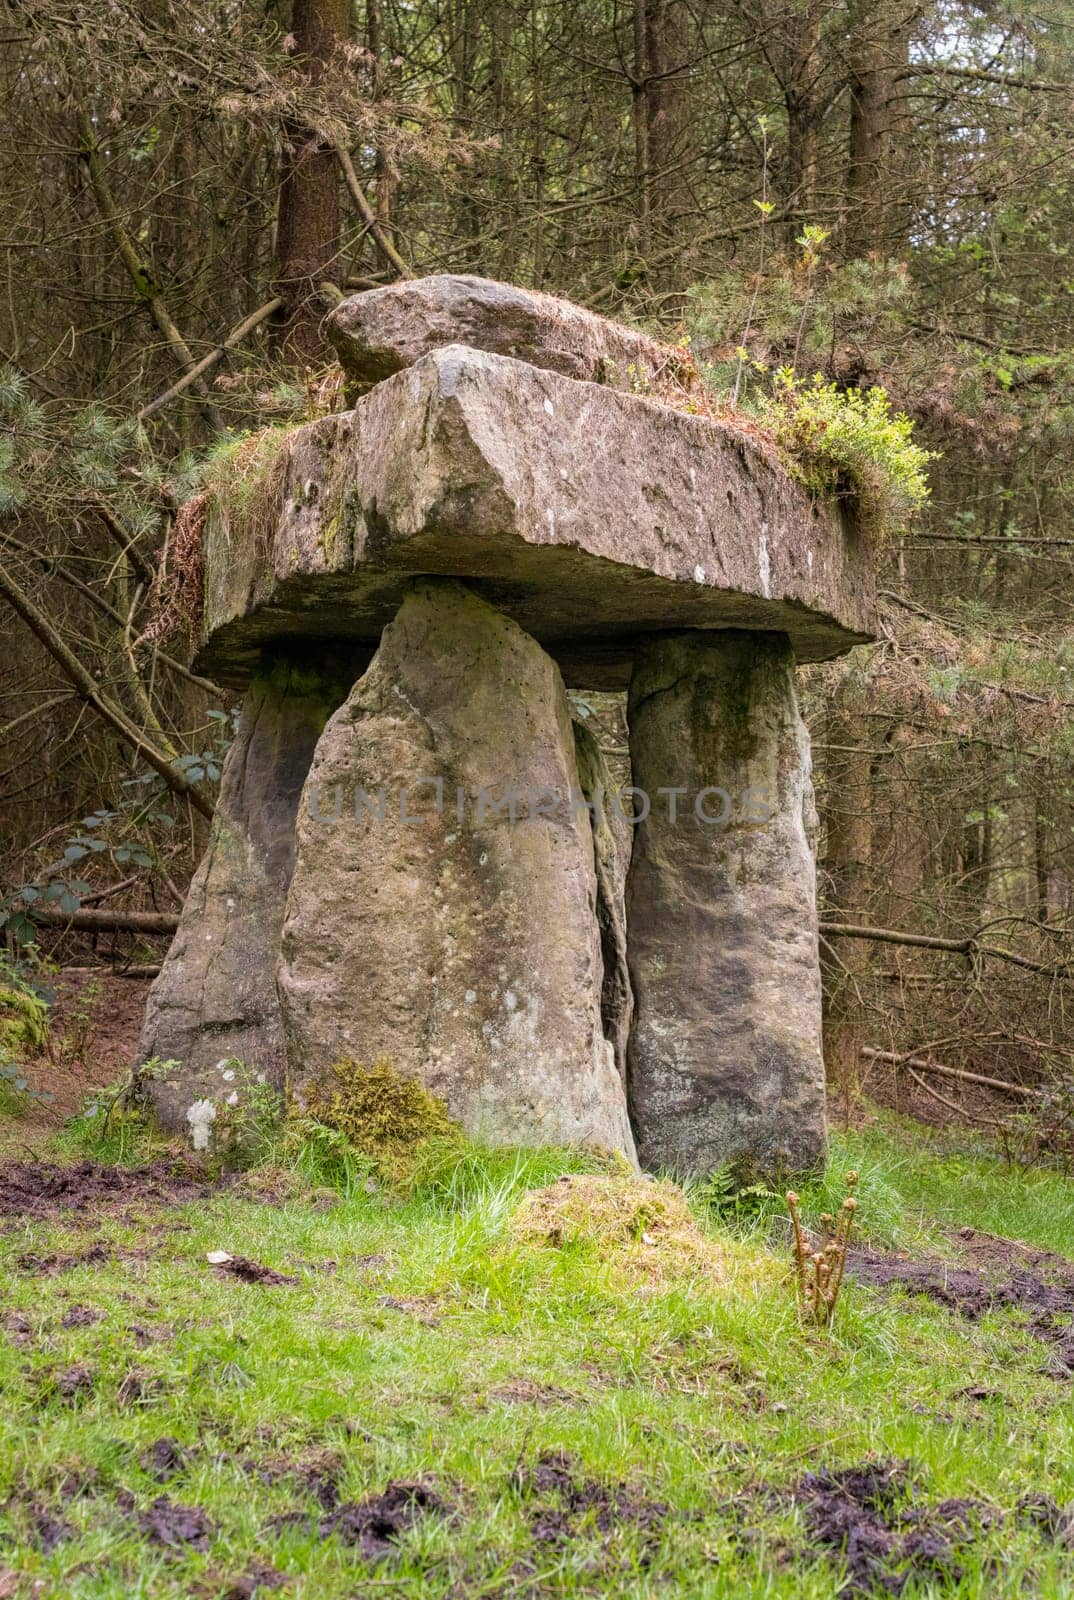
<point>725,1063</point>
<point>434,930</point>
<point>215,995</point>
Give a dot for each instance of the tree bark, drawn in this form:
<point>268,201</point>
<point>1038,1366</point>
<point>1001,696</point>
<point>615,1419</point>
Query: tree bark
<point>879,51</point>
<point>308,217</point>
<point>662,131</point>
<point>803,98</point>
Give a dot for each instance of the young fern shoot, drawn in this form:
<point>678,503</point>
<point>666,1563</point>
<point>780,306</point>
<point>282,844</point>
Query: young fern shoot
<point>819,1273</point>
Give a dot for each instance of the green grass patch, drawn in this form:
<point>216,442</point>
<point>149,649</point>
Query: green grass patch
<point>424,1341</point>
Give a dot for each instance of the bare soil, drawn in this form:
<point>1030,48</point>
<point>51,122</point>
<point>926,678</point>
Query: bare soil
<point>991,1273</point>
<point>42,1189</point>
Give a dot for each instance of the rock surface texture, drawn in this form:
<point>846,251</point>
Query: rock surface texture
<point>215,995</point>
<point>611,852</point>
<point>725,1061</point>
<point>459,943</point>
<point>586,515</point>
<point>381,332</point>
<point>500,513</point>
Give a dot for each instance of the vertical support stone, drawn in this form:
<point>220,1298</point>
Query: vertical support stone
<point>725,1063</point>
<point>215,995</point>
<point>611,854</point>
<point>442,908</point>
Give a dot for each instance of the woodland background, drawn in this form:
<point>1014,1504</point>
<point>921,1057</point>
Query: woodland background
<point>878,192</point>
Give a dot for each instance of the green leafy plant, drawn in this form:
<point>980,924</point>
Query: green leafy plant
<point>248,1113</point>
<point>24,1030</point>
<point>850,442</point>
<point>126,1098</point>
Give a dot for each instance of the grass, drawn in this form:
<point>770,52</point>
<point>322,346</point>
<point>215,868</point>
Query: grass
<point>462,1355</point>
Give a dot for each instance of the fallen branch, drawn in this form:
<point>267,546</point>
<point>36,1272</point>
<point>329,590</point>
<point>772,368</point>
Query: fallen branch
<point>89,690</point>
<point>85,921</point>
<point>236,336</point>
<point>970,946</point>
<point>895,1059</point>
<point>51,564</point>
<point>368,215</point>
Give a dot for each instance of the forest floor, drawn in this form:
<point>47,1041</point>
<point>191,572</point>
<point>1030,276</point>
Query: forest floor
<point>397,1395</point>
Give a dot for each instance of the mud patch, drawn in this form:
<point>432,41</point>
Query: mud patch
<point>69,1385</point>
<point>316,1474</point>
<point>81,1317</point>
<point>569,1505</point>
<point>43,1189</point>
<point>17,1326</point>
<point>46,1266</point>
<point>175,1526</point>
<point>260,1579</point>
<point>247,1271</point>
<point>164,1459</point>
<point>1003,1274</point>
<point>865,1518</point>
<point>374,1525</point>
<point>47,1530</point>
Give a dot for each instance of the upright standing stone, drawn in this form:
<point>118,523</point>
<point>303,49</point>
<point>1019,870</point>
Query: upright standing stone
<point>725,1062</point>
<point>611,854</point>
<point>432,929</point>
<point>215,995</point>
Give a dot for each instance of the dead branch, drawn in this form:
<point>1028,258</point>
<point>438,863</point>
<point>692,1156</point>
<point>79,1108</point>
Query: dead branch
<point>137,270</point>
<point>895,1059</point>
<point>970,946</point>
<point>86,686</point>
<point>235,337</point>
<point>87,921</point>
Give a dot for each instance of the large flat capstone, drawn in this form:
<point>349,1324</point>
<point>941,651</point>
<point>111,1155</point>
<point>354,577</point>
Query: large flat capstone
<point>585,514</point>
<point>442,909</point>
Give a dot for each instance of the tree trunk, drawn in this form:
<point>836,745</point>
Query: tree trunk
<point>803,99</point>
<point>662,134</point>
<point>848,840</point>
<point>879,46</point>
<point>307,224</point>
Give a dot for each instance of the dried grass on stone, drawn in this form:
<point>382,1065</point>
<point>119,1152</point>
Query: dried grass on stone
<point>643,1227</point>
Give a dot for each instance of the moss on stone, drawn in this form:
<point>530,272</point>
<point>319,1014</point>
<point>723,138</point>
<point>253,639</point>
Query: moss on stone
<point>383,1114</point>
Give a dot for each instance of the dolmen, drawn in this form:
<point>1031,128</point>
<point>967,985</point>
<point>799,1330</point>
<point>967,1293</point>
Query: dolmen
<point>418,853</point>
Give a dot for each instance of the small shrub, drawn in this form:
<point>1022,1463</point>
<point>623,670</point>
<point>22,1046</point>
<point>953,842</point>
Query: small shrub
<point>248,1112</point>
<point>24,1030</point>
<point>384,1115</point>
<point>114,1124</point>
<point>849,442</point>
<point>739,1205</point>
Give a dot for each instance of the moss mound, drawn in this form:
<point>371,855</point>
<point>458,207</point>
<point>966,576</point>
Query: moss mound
<point>23,1020</point>
<point>381,1113</point>
<point>646,1228</point>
